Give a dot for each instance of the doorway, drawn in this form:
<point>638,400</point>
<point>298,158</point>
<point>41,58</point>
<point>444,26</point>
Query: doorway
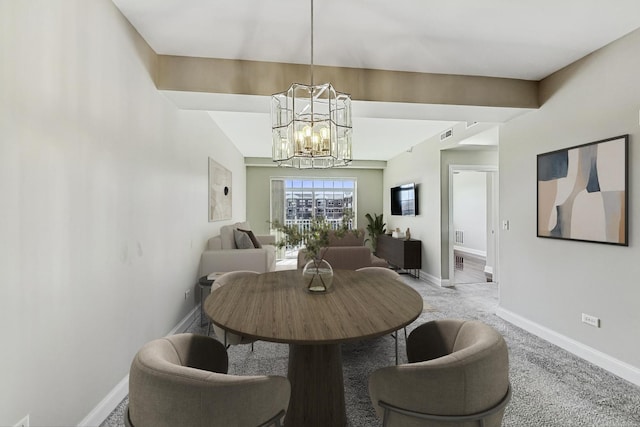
<point>473,220</point>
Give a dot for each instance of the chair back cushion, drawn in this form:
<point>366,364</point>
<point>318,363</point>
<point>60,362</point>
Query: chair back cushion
<point>432,340</point>
<point>381,271</point>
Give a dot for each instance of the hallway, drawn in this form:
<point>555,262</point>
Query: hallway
<point>469,268</point>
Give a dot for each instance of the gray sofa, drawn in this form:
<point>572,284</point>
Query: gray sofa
<point>346,253</point>
<point>222,254</point>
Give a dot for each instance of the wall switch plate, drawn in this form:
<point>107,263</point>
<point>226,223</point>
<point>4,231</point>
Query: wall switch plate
<point>187,293</point>
<point>505,224</point>
<point>590,320</point>
<point>23,422</point>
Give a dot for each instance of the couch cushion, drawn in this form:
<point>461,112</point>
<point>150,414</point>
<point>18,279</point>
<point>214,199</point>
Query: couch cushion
<point>271,257</point>
<point>349,239</point>
<point>214,243</point>
<point>347,257</point>
<point>226,234</point>
<point>254,239</point>
<point>341,257</point>
<point>226,237</point>
<point>242,240</point>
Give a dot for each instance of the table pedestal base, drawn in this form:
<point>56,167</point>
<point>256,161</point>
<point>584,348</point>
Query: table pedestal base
<point>317,387</point>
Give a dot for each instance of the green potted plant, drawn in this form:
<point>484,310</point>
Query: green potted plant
<point>375,228</point>
<point>317,273</point>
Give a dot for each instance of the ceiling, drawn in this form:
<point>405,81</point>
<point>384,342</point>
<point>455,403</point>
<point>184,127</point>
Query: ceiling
<point>526,39</point>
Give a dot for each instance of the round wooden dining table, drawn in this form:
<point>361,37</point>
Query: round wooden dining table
<point>276,307</point>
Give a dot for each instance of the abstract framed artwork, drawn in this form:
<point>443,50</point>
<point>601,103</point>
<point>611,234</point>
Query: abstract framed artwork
<point>582,192</point>
<point>219,192</point>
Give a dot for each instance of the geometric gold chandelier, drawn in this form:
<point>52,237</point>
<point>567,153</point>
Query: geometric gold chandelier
<point>311,124</point>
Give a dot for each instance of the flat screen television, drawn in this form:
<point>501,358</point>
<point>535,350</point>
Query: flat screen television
<point>404,200</point>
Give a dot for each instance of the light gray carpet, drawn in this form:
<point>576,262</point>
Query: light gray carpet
<point>551,387</point>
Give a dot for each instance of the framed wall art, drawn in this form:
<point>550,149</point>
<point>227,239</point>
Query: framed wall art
<point>219,192</point>
<point>582,192</point>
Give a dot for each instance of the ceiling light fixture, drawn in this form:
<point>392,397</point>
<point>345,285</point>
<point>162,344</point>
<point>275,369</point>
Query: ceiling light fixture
<point>311,124</point>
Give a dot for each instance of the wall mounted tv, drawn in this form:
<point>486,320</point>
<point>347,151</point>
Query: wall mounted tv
<point>404,200</point>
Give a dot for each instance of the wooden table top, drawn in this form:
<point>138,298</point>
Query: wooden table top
<point>275,307</point>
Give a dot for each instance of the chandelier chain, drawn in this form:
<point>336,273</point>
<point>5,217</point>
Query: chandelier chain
<point>311,43</point>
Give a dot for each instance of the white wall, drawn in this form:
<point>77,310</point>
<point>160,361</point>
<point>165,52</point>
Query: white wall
<point>428,166</point>
<point>470,210</point>
<point>103,216</point>
<point>421,166</point>
<point>546,284</point>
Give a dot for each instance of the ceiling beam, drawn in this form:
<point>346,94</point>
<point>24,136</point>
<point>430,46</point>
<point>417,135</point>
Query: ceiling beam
<point>226,76</point>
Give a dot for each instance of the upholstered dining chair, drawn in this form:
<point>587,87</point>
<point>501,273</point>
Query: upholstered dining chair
<point>387,272</point>
<point>181,380</point>
<point>458,374</point>
<point>393,275</point>
<point>229,338</point>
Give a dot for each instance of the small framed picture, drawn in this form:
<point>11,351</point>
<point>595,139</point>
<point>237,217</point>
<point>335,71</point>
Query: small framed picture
<point>219,192</point>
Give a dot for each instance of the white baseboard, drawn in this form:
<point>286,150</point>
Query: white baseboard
<point>107,405</point>
<point>471,251</point>
<point>598,358</point>
<point>426,277</point>
<point>185,322</point>
<point>120,391</point>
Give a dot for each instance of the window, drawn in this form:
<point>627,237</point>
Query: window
<point>310,198</point>
<point>298,200</point>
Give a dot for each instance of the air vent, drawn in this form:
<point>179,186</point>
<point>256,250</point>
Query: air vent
<point>446,134</point>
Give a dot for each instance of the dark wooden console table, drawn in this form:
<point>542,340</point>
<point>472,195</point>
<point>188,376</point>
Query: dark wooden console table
<point>401,253</point>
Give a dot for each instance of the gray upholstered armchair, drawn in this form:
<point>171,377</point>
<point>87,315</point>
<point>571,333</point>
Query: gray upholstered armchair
<point>181,380</point>
<point>458,374</point>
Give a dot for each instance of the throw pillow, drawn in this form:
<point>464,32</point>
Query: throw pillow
<point>242,240</point>
<point>254,240</point>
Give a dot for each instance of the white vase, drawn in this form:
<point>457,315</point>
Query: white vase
<point>317,276</point>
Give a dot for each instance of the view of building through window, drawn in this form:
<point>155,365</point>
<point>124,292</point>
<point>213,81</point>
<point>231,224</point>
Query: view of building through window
<point>303,199</point>
<point>310,198</point>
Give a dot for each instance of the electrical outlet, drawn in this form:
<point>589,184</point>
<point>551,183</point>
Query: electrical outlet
<point>23,422</point>
<point>187,293</point>
<point>590,320</point>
